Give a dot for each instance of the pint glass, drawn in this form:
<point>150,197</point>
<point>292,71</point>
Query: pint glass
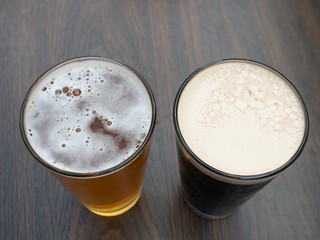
<point>238,124</point>
<point>90,121</point>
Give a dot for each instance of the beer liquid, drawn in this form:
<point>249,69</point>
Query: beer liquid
<point>86,116</point>
<point>240,118</point>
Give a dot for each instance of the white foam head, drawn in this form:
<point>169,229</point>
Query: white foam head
<point>241,118</point>
<point>87,115</point>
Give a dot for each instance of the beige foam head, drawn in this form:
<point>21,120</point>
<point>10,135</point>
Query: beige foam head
<point>241,118</point>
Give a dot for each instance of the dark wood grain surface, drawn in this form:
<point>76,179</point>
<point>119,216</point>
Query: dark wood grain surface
<point>165,41</point>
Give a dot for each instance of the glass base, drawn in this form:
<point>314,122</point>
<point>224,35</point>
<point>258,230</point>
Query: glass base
<point>111,212</point>
<point>205,215</point>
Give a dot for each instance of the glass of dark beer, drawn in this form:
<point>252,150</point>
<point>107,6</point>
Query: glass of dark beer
<point>239,123</point>
<point>90,121</point>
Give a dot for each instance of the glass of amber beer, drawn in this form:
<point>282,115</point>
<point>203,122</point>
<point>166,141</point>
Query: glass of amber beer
<point>90,121</point>
<point>238,124</point>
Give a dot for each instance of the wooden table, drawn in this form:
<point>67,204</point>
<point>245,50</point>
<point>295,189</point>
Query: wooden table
<point>165,41</point>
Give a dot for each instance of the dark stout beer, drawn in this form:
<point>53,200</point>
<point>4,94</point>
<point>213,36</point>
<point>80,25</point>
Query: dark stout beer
<point>238,124</point>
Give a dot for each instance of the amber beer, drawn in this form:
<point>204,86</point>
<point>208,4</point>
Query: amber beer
<point>239,123</point>
<point>90,121</point>
<point>112,194</point>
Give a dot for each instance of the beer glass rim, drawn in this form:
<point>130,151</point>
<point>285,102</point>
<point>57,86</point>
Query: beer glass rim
<point>107,171</point>
<point>216,171</point>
